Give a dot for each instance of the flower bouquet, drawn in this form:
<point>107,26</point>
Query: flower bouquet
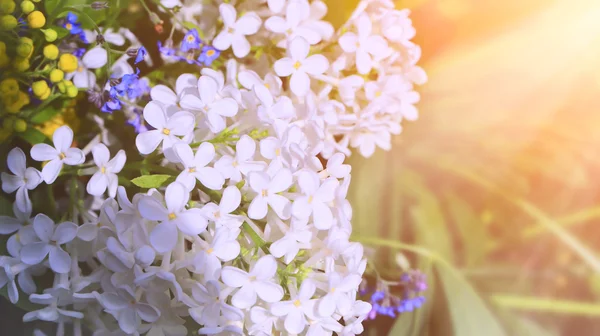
<point>177,167</point>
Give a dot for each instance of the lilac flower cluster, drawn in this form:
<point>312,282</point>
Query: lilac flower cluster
<point>384,302</point>
<point>188,50</point>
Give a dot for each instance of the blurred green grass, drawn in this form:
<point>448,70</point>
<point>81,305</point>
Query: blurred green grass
<point>493,192</point>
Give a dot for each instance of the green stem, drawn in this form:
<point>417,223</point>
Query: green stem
<point>546,305</point>
<point>256,239</point>
<point>151,167</point>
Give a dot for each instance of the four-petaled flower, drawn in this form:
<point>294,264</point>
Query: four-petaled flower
<point>299,65</point>
<point>167,128</point>
<point>106,176</point>
<point>195,166</point>
<point>23,179</point>
<point>57,155</point>
<point>267,189</point>
<point>365,45</point>
<point>235,31</point>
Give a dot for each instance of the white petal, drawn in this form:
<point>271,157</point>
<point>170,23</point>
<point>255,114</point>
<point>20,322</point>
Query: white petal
<point>181,123</point>
<point>265,268</point>
<point>152,209</point>
<point>117,163</point>
<point>233,276</point>
<point>280,205</point>
<point>43,152</point>
<point>176,197</point>
<point>16,161</point>
<point>64,233</point>
<point>147,312</point>
<point>315,64</point>
<point>216,123</point>
<point>147,142</point>
<point>51,170</point>
<point>269,147</point>
<point>349,42</point>
<point>95,58</point>
<point>191,222</point>
<point>258,208</point>
<point>34,178</point>
<point>322,216</point>
<point>185,81</point>
<point>223,40</point>
<point>228,251</point>
<point>268,291</point>
<point>129,321</point>
<point>298,49</point>
<point>208,87</point>
<point>284,67</point>
<point>300,83</point>
<point>231,200</point>
<point>191,102</point>
<point>163,94</point>
<point>279,247</point>
<point>363,62</point>
<point>187,179</point>
<point>245,297</point>
<point>276,24</point>
<point>226,107</point>
<point>164,237</point>
<point>210,177</point>
<point>87,232</point>
<point>240,45</point>
<point>376,45</point>
<point>112,301</point>
<point>154,115</point>
<point>60,261</point>
<point>204,154</point>
<point>62,138</point>
<point>97,185</point>
<point>22,200</point>
<point>10,183</point>
<point>281,181</point>
<point>326,306</point>
<point>248,24</point>
<point>9,225</point>
<point>33,254</point>
<point>295,322</point>
<point>228,14</point>
<point>74,156</point>
<point>43,227</point>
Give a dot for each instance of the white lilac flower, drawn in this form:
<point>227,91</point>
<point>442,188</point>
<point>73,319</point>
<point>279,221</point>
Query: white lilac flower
<point>299,235</point>
<point>297,308</point>
<point>211,101</point>
<point>315,200</point>
<point>195,166</point>
<point>23,179</point>
<point>213,310</point>
<point>173,217</point>
<point>93,59</point>
<point>221,214</point>
<point>267,189</point>
<point>367,46</point>
<point>235,30</point>
<point>186,83</point>
<point>167,128</point>
<point>127,310</point>
<point>223,247</point>
<point>51,237</point>
<point>299,66</point>
<point>337,292</point>
<point>106,176</point>
<point>242,164</point>
<point>293,24</point>
<point>60,154</point>
<point>10,224</point>
<point>257,282</point>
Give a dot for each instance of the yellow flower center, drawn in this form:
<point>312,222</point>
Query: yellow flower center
<point>69,26</point>
<point>234,163</point>
<point>378,94</point>
<point>267,85</point>
<point>103,170</point>
<point>332,290</point>
<point>310,199</point>
<point>210,250</point>
<point>192,169</point>
<point>264,193</point>
<point>172,216</point>
<point>297,65</point>
<point>166,131</point>
<point>190,38</point>
<point>62,156</point>
<point>210,52</point>
<point>217,214</point>
<point>230,30</point>
<point>278,151</point>
<point>297,303</point>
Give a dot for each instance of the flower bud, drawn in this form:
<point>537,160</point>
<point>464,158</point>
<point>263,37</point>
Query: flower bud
<point>16,102</point>
<point>27,7</point>
<point>8,22</point>
<point>9,87</point>
<point>100,39</point>
<point>40,88</point>
<point>20,64</point>
<point>56,75</point>
<point>7,6</point>
<point>67,63</point>
<point>72,91</point>
<point>97,5</point>
<point>132,52</point>
<point>51,52</point>
<point>36,19</point>
<point>25,47</point>
<point>62,87</point>
<point>50,34</point>
<point>20,125</point>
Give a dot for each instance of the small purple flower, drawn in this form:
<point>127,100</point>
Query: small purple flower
<point>72,25</point>
<point>191,40</point>
<point>208,55</point>
<point>165,50</point>
<point>140,55</point>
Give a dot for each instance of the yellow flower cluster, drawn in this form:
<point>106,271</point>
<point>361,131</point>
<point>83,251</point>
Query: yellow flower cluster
<point>67,117</point>
<point>11,96</point>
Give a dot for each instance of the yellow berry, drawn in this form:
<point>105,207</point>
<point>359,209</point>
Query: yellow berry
<point>8,22</point>
<point>56,75</point>
<point>45,95</point>
<point>9,87</point>
<point>7,6</point>
<point>61,87</point>
<point>50,34</point>
<point>40,87</point>
<point>36,19</point>
<point>72,91</point>
<point>25,47</point>
<point>27,7</point>
<point>67,63</point>
<point>51,52</point>
<point>20,125</point>
<point>21,64</point>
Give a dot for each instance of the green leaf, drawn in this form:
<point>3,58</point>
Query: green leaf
<point>547,305</point>
<point>60,31</point>
<point>44,115</point>
<point>152,181</point>
<point>468,310</point>
<point>33,136</point>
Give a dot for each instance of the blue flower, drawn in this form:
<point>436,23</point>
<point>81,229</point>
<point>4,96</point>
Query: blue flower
<point>79,52</point>
<point>113,104</point>
<point>140,55</point>
<point>191,40</point>
<point>208,55</point>
<point>72,25</point>
<point>137,121</point>
<point>167,51</point>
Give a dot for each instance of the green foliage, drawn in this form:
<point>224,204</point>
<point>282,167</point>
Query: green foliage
<point>33,136</point>
<point>152,181</point>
